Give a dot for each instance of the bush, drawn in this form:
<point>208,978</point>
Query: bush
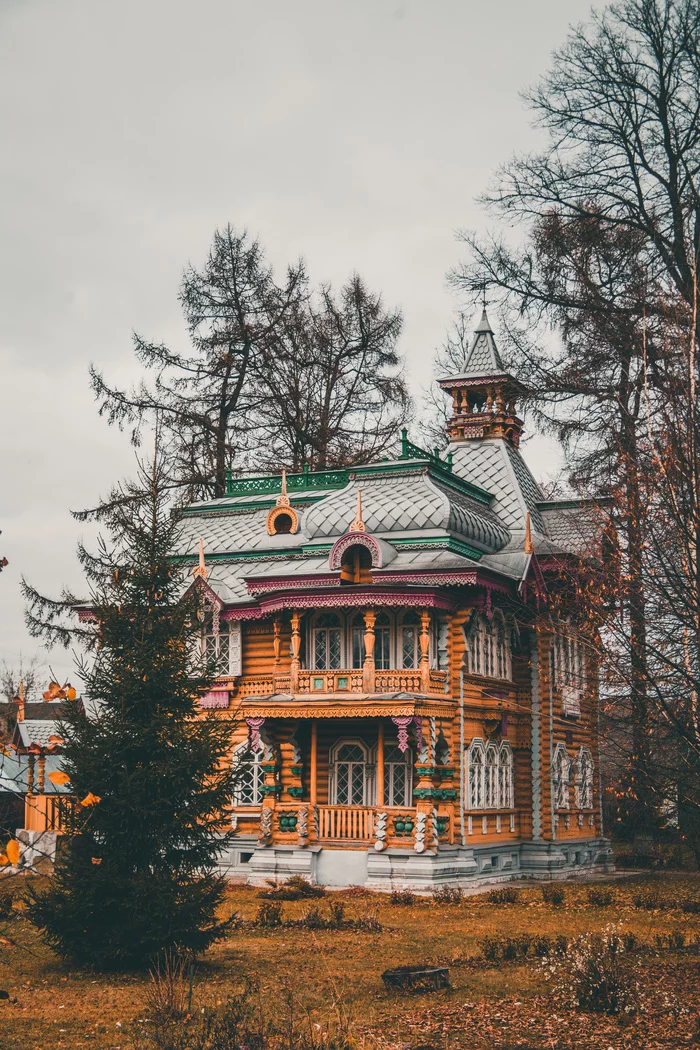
<point>507,949</point>
<point>593,976</point>
<point>269,915</point>
<point>406,898</point>
<point>313,920</point>
<point>601,898</point>
<point>552,894</point>
<point>690,905</point>
<point>5,905</point>
<point>447,895</point>
<point>337,915</point>
<point>506,895</point>
<point>648,900</point>
<point>295,888</point>
<point>369,922</point>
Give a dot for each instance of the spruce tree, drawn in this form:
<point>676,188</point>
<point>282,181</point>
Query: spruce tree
<point>136,874</point>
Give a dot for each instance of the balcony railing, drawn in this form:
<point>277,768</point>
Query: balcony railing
<point>301,820</point>
<point>342,681</point>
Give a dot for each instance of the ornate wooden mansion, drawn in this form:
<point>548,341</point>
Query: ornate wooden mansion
<point>406,709</point>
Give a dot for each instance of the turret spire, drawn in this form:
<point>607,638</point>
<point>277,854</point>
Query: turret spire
<point>201,569</point>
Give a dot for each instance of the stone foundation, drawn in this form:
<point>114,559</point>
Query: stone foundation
<point>465,867</point>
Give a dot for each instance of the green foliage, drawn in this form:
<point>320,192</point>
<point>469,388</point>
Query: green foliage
<point>137,874</point>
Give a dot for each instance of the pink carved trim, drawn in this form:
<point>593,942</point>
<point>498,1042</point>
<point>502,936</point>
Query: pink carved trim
<point>402,722</point>
<point>441,579</point>
<point>418,721</point>
<point>215,698</point>
<point>355,539</point>
<point>254,724</point>
<point>343,598</point>
<point>285,583</point>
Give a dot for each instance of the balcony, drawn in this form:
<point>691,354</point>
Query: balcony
<point>302,823</point>
<point>325,683</point>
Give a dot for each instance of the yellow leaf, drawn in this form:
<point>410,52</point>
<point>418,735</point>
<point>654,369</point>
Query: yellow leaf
<point>96,860</point>
<point>59,778</point>
<point>71,693</point>
<point>3,860</point>
<point>12,851</point>
<point>90,799</point>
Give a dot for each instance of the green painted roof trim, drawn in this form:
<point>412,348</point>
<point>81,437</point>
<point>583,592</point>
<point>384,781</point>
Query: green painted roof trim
<point>311,550</point>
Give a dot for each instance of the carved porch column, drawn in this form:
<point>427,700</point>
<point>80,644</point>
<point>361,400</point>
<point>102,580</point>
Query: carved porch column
<point>424,640</point>
<point>296,647</point>
<point>380,764</point>
<point>42,774</point>
<point>368,669</point>
<point>277,643</point>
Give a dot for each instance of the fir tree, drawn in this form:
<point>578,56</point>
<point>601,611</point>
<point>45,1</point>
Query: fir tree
<point>136,876</point>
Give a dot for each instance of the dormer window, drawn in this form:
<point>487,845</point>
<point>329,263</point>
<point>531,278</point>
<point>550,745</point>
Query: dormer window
<point>356,564</point>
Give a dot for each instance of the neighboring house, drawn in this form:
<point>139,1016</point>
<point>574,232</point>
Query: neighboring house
<point>403,710</point>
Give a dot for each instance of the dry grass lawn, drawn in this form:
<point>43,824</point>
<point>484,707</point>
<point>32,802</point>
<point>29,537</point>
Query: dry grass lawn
<point>322,973</point>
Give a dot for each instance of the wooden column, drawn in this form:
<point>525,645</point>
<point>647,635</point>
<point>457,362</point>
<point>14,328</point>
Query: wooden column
<point>313,763</point>
<point>277,642</point>
<point>368,669</point>
<point>30,774</point>
<point>296,646</point>
<point>380,764</point>
<point>424,640</point>
<point>42,774</point>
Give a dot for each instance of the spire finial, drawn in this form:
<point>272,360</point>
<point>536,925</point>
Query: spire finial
<point>283,499</point>
<point>22,691</point>
<point>529,545</point>
<point>358,524</point>
<point>201,569</point>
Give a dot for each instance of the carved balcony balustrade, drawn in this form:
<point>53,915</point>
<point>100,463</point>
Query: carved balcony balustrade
<point>341,681</point>
<point>301,823</point>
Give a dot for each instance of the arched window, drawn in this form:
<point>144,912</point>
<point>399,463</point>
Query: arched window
<point>561,774</point>
<point>356,564</point>
<point>475,775</point>
<point>326,642</point>
<point>248,777</point>
<point>568,666</point>
<point>382,642</point>
<point>409,640</point>
<point>583,779</point>
<point>357,641</point>
<point>506,781</point>
<point>350,774</point>
<point>489,647</point>
<point>398,774</point>
<point>491,778</point>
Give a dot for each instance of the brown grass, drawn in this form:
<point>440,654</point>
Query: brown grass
<point>54,1005</point>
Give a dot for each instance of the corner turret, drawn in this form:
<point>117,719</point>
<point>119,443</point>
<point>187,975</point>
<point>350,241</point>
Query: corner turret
<point>484,394</point>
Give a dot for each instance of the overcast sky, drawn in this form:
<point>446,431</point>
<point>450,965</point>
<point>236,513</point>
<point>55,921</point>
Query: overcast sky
<point>354,133</point>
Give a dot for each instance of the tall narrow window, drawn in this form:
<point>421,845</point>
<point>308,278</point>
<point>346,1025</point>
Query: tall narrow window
<point>327,642</point>
<point>506,784</point>
<point>568,665</point>
<point>583,782</point>
<point>398,769</point>
<point>410,645</point>
<point>561,774</point>
<point>248,777</point>
<point>357,641</point>
<point>382,642</point>
<point>475,775</point>
<point>491,778</point>
<point>217,650</point>
<point>349,774</point>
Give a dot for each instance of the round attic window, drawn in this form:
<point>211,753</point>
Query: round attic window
<point>281,521</point>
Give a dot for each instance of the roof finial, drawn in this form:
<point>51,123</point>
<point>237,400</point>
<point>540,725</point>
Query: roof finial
<point>358,524</point>
<point>283,499</point>
<point>529,545</point>
<point>201,569</point>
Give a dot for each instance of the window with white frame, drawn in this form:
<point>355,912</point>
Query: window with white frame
<point>326,642</point>
<point>568,666</point>
<point>382,642</point>
<point>489,647</point>
<point>221,649</point>
<point>583,779</point>
<point>351,774</point>
<point>248,776</point>
<point>357,641</point>
<point>398,776</point>
<point>489,774</point>
<point>561,776</point>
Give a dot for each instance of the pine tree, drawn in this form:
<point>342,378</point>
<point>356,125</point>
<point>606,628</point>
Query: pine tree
<point>136,876</point>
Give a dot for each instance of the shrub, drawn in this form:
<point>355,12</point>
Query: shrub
<point>447,895</point>
<point>295,888</point>
<point>648,900</point>
<point>337,915</point>
<point>269,915</point>
<point>690,905</point>
<point>5,905</point>
<point>593,975</point>
<point>506,895</point>
<point>369,922</point>
<point>406,898</point>
<point>601,898</point>
<point>552,894</point>
<point>313,920</point>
